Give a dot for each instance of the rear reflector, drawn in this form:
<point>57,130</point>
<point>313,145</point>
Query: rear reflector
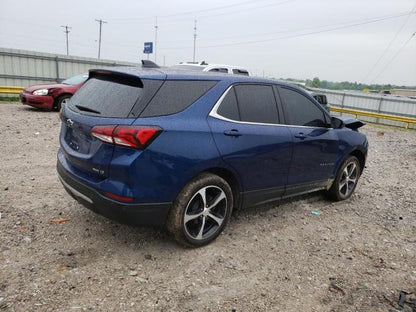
<point>131,136</point>
<point>119,198</point>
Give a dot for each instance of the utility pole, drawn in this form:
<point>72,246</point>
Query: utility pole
<point>66,31</point>
<point>156,27</point>
<point>99,38</point>
<point>193,59</point>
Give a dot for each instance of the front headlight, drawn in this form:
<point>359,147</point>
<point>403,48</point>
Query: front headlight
<point>41,92</point>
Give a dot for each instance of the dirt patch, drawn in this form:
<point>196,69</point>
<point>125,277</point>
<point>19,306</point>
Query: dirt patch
<point>356,255</point>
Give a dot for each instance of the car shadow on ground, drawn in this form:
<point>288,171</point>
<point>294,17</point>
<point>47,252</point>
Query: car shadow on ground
<point>145,236</point>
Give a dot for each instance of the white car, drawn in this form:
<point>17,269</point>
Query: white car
<point>219,68</point>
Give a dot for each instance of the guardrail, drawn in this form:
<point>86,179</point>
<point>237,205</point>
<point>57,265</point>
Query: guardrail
<point>355,112</point>
<point>10,90</point>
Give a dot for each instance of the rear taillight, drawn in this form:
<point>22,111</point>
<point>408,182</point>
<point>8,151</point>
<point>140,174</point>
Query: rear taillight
<point>103,133</point>
<point>131,136</point>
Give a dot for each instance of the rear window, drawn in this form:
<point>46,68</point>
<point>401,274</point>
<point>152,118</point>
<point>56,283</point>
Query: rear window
<point>176,95</point>
<point>105,98</point>
<point>190,67</point>
<point>75,80</point>
<point>240,72</point>
<point>219,70</point>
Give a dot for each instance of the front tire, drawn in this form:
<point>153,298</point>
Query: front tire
<point>201,211</point>
<point>346,180</point>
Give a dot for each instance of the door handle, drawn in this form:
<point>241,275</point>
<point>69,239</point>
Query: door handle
<point>233,132</point>
<point>300,135</point>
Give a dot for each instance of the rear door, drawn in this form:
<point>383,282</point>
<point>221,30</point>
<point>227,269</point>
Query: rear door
<point>105,99</point>
<point>315,146</point>
<point>246,130</point>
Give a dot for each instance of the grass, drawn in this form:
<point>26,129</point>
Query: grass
<point>9,99</point>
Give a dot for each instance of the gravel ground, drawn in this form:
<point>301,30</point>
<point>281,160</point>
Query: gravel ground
<point>357,255</point>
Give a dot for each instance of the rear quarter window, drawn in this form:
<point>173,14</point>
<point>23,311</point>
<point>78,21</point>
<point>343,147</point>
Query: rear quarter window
<point>176,95</point>
<point>229,106</point>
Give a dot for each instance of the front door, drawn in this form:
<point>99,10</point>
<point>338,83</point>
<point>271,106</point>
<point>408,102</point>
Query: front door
<point>315,145</point>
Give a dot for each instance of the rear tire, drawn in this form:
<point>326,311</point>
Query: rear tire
<point>346,180</point>
<point>201,211</point>
<point>62,100</point>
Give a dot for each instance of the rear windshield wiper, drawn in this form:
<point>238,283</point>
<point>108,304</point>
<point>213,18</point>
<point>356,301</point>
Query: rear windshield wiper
<point>87,109</point>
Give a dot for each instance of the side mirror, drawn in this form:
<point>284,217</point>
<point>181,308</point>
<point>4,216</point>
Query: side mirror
<point>321,98</point>
<point>336,123</point>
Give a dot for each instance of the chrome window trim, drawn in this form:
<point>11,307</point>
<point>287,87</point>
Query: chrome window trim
<point>213,113</point>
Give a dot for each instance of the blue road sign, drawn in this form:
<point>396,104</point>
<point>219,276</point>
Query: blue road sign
<point>148,48</point>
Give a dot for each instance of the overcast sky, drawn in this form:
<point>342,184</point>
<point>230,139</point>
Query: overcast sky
<point>355,40</point>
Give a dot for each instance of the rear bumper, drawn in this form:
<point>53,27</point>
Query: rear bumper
<point>133,214</point>
<point>38,101</point>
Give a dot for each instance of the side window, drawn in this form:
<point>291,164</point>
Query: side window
<point>219,70</point>
<point>240,72</point>
<point>229,107</point>
<point>257,103</point>
<point>300,110</point>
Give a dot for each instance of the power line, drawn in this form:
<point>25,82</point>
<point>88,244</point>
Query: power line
<point>301,35</point>
<point>311,33</point>
<point>394,57</point>
<point>241,10</point>
<point>390,43</point>
<point>218,8</point>
<point>66,31</point>
<point>99,38</point>
<point>305,29</point>
<point>198,11</point>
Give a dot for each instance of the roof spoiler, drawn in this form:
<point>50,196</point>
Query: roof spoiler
<point>115,76</point>
<point>149,64</point>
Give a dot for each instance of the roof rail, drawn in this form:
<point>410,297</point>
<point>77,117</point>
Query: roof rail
<point>149,64</point>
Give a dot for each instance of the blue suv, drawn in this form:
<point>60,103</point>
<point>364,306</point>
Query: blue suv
<point>159,146</point>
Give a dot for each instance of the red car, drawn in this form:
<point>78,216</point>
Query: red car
<point>52,96</point>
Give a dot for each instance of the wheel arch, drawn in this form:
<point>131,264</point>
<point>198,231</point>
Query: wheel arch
<point>55,102</point>
<point>231,179</point>
<point>361,158</point>
<point>175,221</point>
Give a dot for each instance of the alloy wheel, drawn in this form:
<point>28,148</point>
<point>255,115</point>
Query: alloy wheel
<point>205,212</point>
<point>348,179</point>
